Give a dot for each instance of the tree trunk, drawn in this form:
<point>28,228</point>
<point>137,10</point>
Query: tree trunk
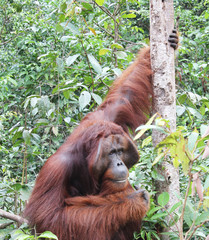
<point>162,61</point>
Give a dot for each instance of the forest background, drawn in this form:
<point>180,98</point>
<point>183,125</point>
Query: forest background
<point>57,61</point>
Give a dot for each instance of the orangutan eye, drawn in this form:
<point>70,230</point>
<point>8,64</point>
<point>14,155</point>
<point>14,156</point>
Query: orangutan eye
<point>120,151</point>
<point>113,151</point>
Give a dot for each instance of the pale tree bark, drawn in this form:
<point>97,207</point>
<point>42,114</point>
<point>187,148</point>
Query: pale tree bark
<point>162,62</point>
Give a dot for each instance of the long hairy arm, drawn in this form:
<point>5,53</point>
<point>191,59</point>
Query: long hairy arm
<point>98,214</point>
<point>129,99</point>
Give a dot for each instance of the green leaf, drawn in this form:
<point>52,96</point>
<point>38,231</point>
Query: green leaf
<point>195,113</point>
<point>71,27</point>
<point>174,207</point>
<point>60,65</point>
<point>180,110</point>
<point>67,119</point>
<point>189,214</point>
<point>33,102</point>
<point>55,130</point>
<point>143,130</point>
<point>130,15</point>
<point>121,55</point>
<point>149,236</point>
<point>103,51</point>
<point>163,199</point>
<point>116,45</point>
<point>100,2</point>
<point>84,99</point>
<point>203,130</point>
<point>97,98</point>
<point>155,235</point>
<point>59,28</point>
<point>204,216</point>
<point>25,193</point>
<point>158,158</point>
<point>147,141</point>
<point>67,94</point>
<point>12,81</point>
<point>117,71</point>
<point>48,234</point>
<point>87,6</point>
<point>42,122</point>
<point>153,210</point>
<point>158,215</point>
<point>26,136</point>
<point>147,127</point>
<point>206,185</point>
<point>95,64</point>
<point>65,38</point>
<point>63,7</point>
<point>192,140</point>
<point>24,237</point>
<point>71,59</point>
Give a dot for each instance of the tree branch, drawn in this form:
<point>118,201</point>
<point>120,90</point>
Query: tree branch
<point>13,217</point>
<point>195,229</point>
<point>4,225</point>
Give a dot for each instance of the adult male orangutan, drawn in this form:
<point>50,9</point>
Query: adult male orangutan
<point>82,191</point>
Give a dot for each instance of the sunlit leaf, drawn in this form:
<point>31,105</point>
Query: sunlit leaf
<point>67,119</point>
<point>117,71</point>
<point>192,140</point>
<point>103,51</point>
<point>26,136</point>
<point>100,2</point>
<point>158,158</point>
<point>147,141</point>
<point>130,15</point>
<point>180,110</point>
<point>117,45</point>
<point>93,31</point>
<point>97,98</point>
<point>204,130</point>
<point>48,234</point>
<point>33,102</point>
<point>60,65</point>
<point>71,59</point>
<point>95,64</point>
<point>139,134</point>
<point>55,130</point>
<point>84,99</point>
<point>121,55</point>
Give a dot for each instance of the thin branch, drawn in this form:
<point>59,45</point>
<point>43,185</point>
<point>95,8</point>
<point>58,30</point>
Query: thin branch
<point>185,199</point>
<point>104,9</point>
<point>103,29</point>
<point>5,225</point>
<point>171,216</point>
<point>9,40</point>
<point>92,77</point>
<point>195,229</point>
<point>12,216</point>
